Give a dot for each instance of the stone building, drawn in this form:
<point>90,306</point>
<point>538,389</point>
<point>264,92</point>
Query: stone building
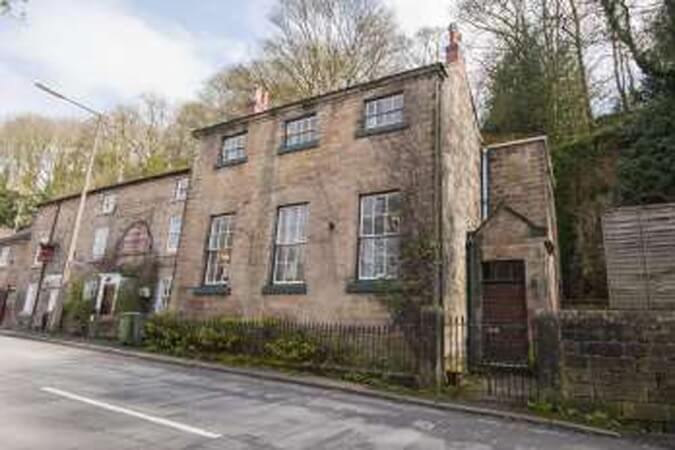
<point>332,208</point>
<point>514,257</point>
<point>129,236</point>
<point>14,258</point>
<point>302,210</point>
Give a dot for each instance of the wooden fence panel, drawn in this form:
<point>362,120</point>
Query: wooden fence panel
<point>640,254</point>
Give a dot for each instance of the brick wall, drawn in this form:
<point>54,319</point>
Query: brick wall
<point>622,360</point>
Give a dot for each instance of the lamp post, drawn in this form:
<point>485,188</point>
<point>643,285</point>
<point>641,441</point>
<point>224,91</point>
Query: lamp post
<point>55,318</point>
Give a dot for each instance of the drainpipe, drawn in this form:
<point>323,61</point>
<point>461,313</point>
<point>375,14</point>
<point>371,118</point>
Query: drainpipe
<point>441,267</point>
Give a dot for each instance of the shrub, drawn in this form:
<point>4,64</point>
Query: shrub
<point>295,347</point>
<point>77,310</point>
<point>211,339</point>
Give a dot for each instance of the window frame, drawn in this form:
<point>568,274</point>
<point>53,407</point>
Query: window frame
<point>275,246</point>
<point>169,248</point>
<point>108,204</point>
<point>360,238</point>
<point>5,256</point>
<point>180,192</point>
<point>94,255</point>
<point>161,290</point>
<point>31,289</point>
<point>207,250</point>
<point>36,255</point>
<point>380,98</point>
<point>90,290</point>
<point>286,146</point>
<point>232,161</point>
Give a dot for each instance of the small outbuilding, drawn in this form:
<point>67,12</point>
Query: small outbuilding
<point>514,262</point>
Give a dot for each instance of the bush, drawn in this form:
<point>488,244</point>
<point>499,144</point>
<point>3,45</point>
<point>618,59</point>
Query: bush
<point>295,348</point>
<point>213,339</point>
<point>77,310</point>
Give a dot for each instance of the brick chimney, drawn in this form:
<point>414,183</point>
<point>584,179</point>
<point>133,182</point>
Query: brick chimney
<point>261,101</point>
<point>453,52</point>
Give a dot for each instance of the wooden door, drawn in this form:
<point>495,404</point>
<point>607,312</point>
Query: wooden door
<point>504,321</point>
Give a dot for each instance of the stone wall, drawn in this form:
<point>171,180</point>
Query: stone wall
<point>330,177</point>
<point>624,361</point>
<point>13,275</point>
<point>149,200</point>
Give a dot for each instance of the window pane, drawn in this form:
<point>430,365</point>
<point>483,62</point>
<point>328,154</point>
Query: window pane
<point>219,250</point>
<point>289,245</point>
<point>384,111</point>
<point>366,260</point>
<point>301,131</point>
<point>392,257</point>
<point>380,228</point>
<point>234,148</point>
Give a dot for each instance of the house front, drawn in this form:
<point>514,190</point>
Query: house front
<point>125,253</point>
<point>314,210</point>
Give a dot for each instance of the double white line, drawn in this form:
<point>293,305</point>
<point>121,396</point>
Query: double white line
<point>129,412</point>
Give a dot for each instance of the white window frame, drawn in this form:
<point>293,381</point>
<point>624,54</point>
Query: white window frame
<point>108,203</point>
<point>301,131</point>
<point>100,243</point>
<point>173,236</point>
<point>5,256</point>
<point>290,234</point>
<point>181,189</point>
<point>384,112</point>
<point>163,294</point>
<point>233,148</point>
<point>90,290</point>
<point>29,300</point>
<point>52,298</point>
<point>36,256</point>
<point>219,246</point>
<point>107,279</point>
<point>389,220</point>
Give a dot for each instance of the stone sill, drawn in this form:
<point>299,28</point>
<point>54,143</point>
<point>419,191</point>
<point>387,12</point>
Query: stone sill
<point>233,162</point>
<point>366,132</point>
<point>220,290</point>
<point>372,287</point>
<point>285,289</point>
<point>298,147</point>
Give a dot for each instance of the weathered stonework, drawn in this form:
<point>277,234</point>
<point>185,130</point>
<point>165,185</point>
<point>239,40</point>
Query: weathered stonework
<point>433,159</point>
<point>621,361</point>
<point>149,201</point>
<point>520,226</point>
<point>13,275</point>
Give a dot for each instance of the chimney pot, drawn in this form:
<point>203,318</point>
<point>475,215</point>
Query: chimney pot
<point>261,102</point>
<point>454,50</point>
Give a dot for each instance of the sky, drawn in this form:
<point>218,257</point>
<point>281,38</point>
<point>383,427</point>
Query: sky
<point>107,52</point>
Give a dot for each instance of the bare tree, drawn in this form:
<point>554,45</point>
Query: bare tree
<point>657,18</point>
<point>321,45</point>
<point>10,6</point>
<point>426,46</point>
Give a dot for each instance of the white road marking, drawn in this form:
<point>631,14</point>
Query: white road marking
<point>129,412</point>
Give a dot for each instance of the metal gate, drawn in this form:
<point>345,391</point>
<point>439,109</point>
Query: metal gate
<point>504,318</point>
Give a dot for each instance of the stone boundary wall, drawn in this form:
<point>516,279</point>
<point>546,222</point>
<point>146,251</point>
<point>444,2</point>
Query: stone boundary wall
<point>621,360</point>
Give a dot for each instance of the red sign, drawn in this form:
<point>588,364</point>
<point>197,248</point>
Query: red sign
<point>46,253</point>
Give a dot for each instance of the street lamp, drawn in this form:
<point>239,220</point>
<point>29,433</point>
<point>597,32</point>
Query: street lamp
<point>55,318</point>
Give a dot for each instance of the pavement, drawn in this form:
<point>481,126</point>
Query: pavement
<point>59,397</point>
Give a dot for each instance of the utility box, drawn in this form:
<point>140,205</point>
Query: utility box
<point>130,327</point>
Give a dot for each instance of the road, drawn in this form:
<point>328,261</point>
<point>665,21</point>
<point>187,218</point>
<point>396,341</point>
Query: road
<point>55,397</point>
